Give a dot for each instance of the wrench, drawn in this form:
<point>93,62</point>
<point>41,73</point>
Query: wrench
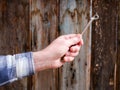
<point>95,17</point>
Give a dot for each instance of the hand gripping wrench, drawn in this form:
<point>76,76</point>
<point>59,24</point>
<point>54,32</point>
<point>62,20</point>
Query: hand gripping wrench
<point>95,17</point>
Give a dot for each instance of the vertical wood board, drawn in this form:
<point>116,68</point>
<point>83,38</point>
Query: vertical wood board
<point>118,50</point>
<point>44,29</point>
<point>74,15</point>
<point>104,46</point>
<point>14,33</point>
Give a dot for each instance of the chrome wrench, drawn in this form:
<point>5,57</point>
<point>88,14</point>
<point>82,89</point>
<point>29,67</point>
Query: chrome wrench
<point>95,17</point>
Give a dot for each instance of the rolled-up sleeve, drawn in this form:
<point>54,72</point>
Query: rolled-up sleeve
<point>14,67</point>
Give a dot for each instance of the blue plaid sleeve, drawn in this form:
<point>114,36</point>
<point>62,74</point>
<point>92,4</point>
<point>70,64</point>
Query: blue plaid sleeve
<point>15,67</point>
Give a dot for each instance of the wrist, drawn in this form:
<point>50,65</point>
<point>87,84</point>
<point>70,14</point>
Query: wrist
<point>36,59</point>
<point>40,61</point>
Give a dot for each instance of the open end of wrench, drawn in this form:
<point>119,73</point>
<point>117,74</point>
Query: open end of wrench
<point>95,17</point>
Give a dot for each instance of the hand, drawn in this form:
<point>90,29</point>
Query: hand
<point>50,57</point>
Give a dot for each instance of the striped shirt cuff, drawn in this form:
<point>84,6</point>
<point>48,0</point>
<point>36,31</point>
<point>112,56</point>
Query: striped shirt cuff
<point>16,67</point>
<point>24,64</point>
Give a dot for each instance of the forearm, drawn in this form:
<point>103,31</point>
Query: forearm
<point>41,61</point>
<point>25,64</point>
<point>14,67</point>
<point>36,58</point>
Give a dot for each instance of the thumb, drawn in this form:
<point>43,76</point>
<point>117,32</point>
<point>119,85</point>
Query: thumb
<point>74,40</point>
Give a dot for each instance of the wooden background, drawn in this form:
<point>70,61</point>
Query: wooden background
<point>27,25</point>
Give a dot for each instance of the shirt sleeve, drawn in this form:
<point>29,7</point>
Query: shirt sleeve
<point>14,67</point>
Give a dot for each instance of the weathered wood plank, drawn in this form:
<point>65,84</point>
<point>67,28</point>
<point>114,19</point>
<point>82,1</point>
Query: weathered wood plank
<point>14,33</point>
<point>118,51</point>
<point>70,16</point>
<point>74,15</point>
<point>44,29</point>
<point>104,46</point>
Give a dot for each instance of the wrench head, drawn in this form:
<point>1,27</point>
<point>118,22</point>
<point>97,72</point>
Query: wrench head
<point>95,17</point>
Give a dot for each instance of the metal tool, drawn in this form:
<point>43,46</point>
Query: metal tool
<point>95,17</point>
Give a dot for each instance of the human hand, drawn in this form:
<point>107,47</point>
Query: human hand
<point>66,46</point>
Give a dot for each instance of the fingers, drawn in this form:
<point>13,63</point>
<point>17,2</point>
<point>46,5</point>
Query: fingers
<point>73,40</point>
<point>81,42</point>
<point>69,36</point>
<point>71,54</point>
<point>74,43</point>
<point>75,48</point>
<point>68,59</point>
<point>74,51</point>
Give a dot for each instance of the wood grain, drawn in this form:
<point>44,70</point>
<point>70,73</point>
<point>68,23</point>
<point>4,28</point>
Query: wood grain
<point>33,24</point>
<point>118,50</point>
<point>14,33</point>
<point>104,45</point>
<point>44,29</point>
<point>74,15</point>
